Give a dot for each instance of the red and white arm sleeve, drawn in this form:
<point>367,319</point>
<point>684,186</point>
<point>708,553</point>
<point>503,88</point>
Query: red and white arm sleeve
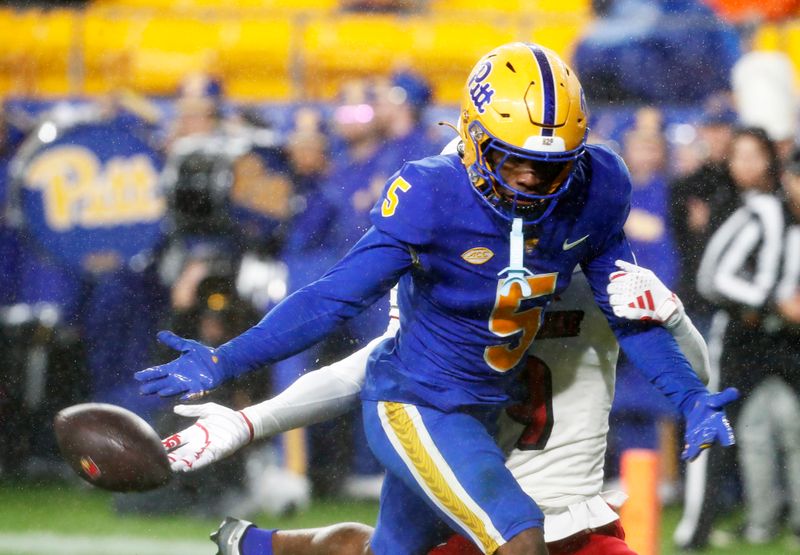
<point>316,396</point>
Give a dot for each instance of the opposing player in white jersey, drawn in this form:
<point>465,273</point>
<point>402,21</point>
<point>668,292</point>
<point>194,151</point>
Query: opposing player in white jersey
<point>557,440</point>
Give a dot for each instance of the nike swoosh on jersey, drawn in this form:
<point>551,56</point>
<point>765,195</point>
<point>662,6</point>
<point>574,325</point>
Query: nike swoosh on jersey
<point>567,245</point>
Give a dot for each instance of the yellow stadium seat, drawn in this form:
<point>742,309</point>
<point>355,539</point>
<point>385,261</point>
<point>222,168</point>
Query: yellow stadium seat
<point>297,5</point>
<point>223,5</point>
<point>256,58</point>
<point>108,39</point>
<point>511,7</point>
<point>55,41</point>
<point>169,48</point>
<point>445,50</point>
<point>558,7</point>
<point>16,59</point>
<point>560,34</point>
<point>440,7</point>
<point>37,60</point>
<point>338,48</point>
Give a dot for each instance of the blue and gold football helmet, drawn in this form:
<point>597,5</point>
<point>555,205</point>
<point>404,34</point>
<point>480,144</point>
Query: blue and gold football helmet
<point>522,103</point>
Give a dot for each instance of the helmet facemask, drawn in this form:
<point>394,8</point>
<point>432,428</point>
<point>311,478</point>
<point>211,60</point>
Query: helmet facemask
<point>552,173</point>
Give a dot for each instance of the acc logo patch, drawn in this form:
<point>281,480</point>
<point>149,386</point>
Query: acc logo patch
<point>478,255</point>
<point>90,468</point>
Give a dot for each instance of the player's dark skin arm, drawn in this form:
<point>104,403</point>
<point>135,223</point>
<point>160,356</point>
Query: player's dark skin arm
<point>348,538</point>
<point>352,538</point>
<point>527,542</point>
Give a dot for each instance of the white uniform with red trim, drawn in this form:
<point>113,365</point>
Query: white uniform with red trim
<point>560,448</point>
<point>576,353</point>
<point>566,477</point>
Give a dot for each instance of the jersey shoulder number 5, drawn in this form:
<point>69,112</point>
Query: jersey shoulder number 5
<point>391,201</point>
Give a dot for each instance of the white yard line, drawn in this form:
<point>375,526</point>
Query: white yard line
<point>46,543</point>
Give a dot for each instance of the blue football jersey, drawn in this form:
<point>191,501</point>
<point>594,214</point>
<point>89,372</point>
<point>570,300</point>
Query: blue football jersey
<point>463,338</point>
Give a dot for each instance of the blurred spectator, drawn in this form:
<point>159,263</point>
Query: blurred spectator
<point>645,153</point>
<point>307,149</point>
<point>228,191</point>
<point>637,410</point>
<point>768,432</point>
<point>699,203</point>
<point>685,153</point>
<point>788,291</point>
<point>198,107</point>
<point>737,273</point>
<point>332,213</point>
<point>687,50</point>
<point>358,174</point>
<point>400,104</point>
<point>307,249</point>
<point>228,194</point>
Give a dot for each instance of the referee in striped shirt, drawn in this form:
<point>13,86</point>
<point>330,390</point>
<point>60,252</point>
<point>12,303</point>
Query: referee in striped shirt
<point>738,273</point>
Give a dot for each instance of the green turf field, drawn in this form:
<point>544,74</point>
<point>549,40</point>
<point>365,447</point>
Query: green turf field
<point>67,519</point>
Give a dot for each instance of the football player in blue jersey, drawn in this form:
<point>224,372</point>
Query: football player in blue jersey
<point>480,243</point>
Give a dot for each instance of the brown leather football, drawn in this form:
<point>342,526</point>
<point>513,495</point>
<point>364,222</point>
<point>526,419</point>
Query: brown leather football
<point>111,448</point>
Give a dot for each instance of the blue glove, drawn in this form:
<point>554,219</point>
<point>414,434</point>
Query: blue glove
<point>197,371</point>
<point>707,424</point>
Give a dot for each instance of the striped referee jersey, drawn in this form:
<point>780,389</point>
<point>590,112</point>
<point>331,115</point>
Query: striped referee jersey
<point>742,262</point>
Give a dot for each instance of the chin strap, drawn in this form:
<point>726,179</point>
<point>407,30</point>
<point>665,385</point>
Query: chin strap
<point>516,272</point>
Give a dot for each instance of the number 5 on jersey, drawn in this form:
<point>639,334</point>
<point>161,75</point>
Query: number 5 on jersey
<point>391,201</point>
<point>508,321</point>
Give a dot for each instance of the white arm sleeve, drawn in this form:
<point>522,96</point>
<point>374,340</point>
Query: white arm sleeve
<point>318,395</point>
<point>690,342</point>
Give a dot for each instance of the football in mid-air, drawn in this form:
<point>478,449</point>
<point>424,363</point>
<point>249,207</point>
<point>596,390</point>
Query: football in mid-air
<point>111,447</point>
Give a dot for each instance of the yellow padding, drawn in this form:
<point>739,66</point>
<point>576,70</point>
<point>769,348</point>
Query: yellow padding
<point>641,513</point>
<point>295,448</point>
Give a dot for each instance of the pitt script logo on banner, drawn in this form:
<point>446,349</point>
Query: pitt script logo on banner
<point>79,190</point>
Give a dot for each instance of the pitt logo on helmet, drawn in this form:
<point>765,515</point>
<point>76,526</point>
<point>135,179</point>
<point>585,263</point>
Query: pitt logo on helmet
<point>481,92</point>
<point>522,104</point>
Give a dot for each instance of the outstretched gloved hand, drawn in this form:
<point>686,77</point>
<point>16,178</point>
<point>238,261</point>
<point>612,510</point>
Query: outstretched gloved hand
<point>194,373</point>
<point>706,423</point>
<point>217,433</point>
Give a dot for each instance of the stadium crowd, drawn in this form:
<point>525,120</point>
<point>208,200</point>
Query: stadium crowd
<point>247,205</point>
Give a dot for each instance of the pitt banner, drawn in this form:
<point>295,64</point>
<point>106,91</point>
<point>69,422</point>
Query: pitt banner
<point>90,198</point>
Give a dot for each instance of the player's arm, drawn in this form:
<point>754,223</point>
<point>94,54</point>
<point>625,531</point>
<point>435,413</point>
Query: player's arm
<point>363,276</point>
<point>404,218</point>
<point>314,397</point>
<point>636,293</point>
<point>654,351</point>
